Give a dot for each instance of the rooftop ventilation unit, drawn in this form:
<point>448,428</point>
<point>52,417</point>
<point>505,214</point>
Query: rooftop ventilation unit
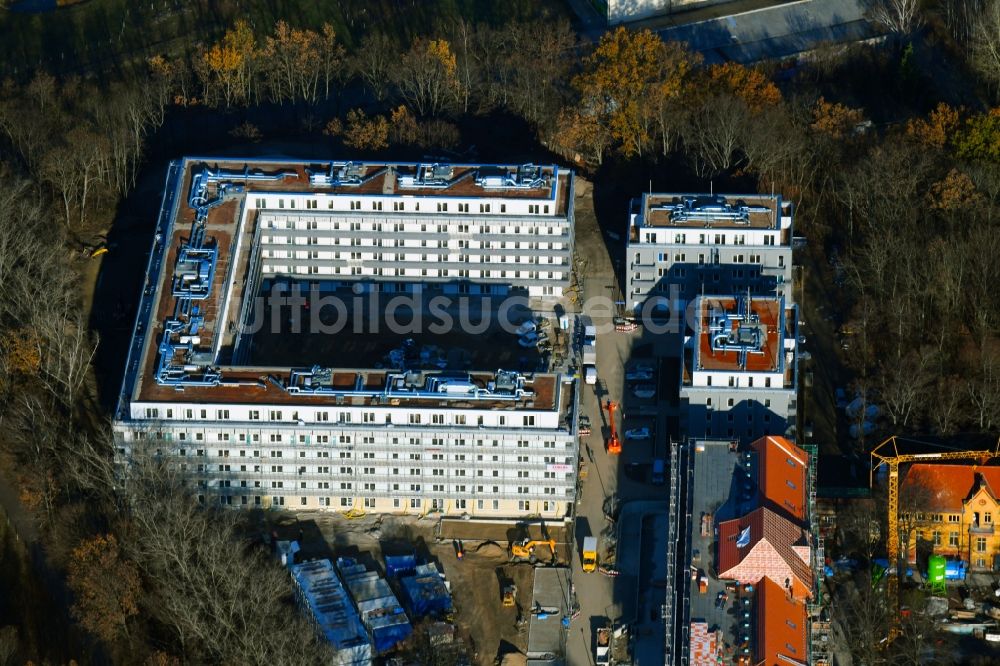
<point>341,174</point>
<point>435,175</point>
<point>712,209</point>
<point>524,177</point>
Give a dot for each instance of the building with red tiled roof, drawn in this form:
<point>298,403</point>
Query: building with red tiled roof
<point>781,636</point>
<point>954,509</point>
<point>765,544</point>
<point>782,470</point>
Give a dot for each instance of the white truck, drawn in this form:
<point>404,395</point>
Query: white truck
<point>588,348</point>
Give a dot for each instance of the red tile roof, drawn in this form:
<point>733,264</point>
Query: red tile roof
<point>775,549</point>
<point>944,487</point>
<point>781,475</point>
<point>781,627</point>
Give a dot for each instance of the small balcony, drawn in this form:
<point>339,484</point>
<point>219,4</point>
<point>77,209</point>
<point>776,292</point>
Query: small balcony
<point>982,528</point>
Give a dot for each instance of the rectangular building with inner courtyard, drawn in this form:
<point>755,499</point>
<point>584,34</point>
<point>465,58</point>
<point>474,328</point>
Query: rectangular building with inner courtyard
<point>254,426</point>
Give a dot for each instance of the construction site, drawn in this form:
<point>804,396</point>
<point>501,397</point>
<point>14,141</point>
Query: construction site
<point>503,588</point>
<point>942,551</point>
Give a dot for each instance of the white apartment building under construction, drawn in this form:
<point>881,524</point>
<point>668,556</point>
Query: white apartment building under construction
<point>250,432</point>
<point>682,245</point>
<point>739,368</point>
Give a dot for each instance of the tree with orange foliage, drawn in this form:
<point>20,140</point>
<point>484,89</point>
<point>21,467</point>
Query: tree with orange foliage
<point>835,119</point>
<point>746,83</point>
<point>939,128</point>
<point>106,586</point>
<point>617,77</point>
<point>296,61</point>
<point>403,128</point>
<point>227,68</point>
<point>954,192</point>
<point>427,76</point>
<point>20,352</point>
<point>584,132</point>
<point>361,132</point>
<point>291,60</point>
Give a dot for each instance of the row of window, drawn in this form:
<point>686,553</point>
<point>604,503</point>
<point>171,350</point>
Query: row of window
<point>434,504</point>
<point>716,257</point>
<point>732,382</point>
<point>410,227</point>
<point>377,487</point>
<point>349,454</point>
<point>979,543</point>
<point>413,272</point>
<point>707,239</point>
<point>318,255</point>
<point>323,416</point>
<point>279,241</point>
<point>369,471</point>
<point>985,516</point>
<point>399,205</point>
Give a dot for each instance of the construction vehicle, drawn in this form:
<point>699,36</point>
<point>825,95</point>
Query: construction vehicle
<point>603,652</point>
<point>887,453</point>
<point>508,596</point>
<point>589,554</point>
<point>613,443</point>
<point>524,550</point>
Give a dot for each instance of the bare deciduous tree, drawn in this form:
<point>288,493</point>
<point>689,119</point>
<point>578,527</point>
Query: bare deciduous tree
<point>899,16</point>
<point>984,43</point>
<point>224,600</point>
<point>374,61</point>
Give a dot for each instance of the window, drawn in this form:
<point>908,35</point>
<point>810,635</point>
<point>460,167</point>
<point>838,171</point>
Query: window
<point>936,537</point>
<point>953,539</point>
<point>954,518</point>
<point>981,544</point>
<point>987,518</point>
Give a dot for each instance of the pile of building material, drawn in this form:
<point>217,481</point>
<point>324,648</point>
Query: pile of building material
<point>427,592</point>
<point>321,592</point>
<point>380,611</point>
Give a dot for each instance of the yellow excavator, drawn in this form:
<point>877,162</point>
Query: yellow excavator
<point>524,550</point>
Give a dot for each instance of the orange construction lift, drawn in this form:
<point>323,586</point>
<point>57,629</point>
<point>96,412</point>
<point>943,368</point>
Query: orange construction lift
<point>613,444</point>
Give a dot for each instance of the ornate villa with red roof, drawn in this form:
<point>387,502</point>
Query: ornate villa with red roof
<point>955,509</point>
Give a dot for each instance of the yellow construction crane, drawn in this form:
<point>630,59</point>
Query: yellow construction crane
<point>887,453</point>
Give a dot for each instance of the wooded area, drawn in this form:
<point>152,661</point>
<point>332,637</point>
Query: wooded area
<point>897,189</point>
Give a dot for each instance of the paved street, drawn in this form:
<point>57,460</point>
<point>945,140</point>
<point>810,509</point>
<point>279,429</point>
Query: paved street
<point>602,598</point>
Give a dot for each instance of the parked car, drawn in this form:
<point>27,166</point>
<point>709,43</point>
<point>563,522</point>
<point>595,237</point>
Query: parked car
<point>644,391</point>
<point>528,340</point>
<point>637,433</point>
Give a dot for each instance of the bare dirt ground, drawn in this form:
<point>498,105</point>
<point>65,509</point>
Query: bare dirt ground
<point>489,629</point>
